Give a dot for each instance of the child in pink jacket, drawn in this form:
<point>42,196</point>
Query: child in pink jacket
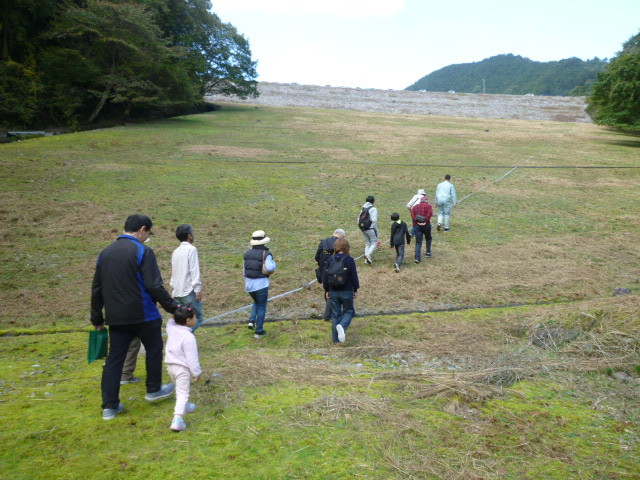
<point>182,361</point>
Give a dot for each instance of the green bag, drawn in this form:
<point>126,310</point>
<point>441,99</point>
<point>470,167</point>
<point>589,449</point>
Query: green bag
<point>98,344</point>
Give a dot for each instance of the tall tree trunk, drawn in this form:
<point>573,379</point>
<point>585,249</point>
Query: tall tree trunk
<point>101,103</point>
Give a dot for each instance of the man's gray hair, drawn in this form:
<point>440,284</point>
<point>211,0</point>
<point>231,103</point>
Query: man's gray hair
<point>339,233</point>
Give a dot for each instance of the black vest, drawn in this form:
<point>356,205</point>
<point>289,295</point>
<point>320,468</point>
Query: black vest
<point>253,261</point>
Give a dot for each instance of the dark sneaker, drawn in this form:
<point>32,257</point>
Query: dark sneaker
<point>178,425</point>
<point>418,261</point>
<point>327,319</point>
<point>110,413</point>
<point>447,229</point>
<point>428,254</point>
<point>164,392</point>
<point>251,325</point>
<point>260,334</point>
<point>130,380</point>
<point>439,227</point>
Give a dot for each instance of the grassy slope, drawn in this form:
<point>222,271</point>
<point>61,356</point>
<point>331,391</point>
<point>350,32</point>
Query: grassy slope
<point>388,405</point>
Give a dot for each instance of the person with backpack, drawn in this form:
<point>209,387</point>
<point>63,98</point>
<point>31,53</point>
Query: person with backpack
<point>445,199</point>
<point>324,252</point>
<point>368,224</point>
<point>421,214</point>
<point>258,265</point>
<point>399,234</point>
<point>341,284</point>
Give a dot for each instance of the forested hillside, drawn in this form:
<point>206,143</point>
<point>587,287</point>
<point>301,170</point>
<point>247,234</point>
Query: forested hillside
<point>76,62</point>
<point>515,75</point>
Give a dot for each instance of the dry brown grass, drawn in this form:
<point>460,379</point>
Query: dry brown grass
<point>228,151</point>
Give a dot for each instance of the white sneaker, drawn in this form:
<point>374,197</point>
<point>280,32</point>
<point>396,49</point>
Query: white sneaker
<point>189,407</point>
<point>178,425</point>
<point>341,335</point>
<point>368,257</point>
<point>397,267</point>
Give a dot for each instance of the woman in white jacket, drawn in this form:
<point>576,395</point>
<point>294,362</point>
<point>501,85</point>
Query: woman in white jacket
<point>182,361</point>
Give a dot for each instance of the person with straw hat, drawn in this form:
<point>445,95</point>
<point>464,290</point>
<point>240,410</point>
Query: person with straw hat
<point>258,265</point>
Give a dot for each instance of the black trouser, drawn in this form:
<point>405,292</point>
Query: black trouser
<point>120,336</point>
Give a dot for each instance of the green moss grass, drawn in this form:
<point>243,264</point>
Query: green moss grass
<point>428,395</point>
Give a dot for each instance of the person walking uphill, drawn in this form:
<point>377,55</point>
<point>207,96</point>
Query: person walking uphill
<point>258,265</point>
<point>185,273</point>
<point>399,235</point>
<point>324,252</point>
<point>416,198</point>
<point>421,214</point>
<point>341,284</point>
<point>368,223</point>
<point>127,284</point>
<point>445,199</point>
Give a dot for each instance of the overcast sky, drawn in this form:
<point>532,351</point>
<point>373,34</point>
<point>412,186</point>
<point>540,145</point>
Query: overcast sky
<point>393,43</point>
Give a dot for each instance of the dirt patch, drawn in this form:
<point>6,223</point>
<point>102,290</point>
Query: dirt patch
<point>226,151</point>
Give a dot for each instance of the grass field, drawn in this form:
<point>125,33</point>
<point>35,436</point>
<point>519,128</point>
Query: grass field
<point>425,395</point>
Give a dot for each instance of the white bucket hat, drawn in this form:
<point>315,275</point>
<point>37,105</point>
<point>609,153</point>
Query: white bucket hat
<point>259,238</point>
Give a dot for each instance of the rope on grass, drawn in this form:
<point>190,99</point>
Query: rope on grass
<point>307,286</point>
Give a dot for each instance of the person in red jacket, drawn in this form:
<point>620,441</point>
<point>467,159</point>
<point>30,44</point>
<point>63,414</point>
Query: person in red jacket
<point>421,214</point>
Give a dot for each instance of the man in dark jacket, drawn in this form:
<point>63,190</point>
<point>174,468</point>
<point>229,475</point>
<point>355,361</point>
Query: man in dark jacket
<point>421,214</point>
<point>126,285</point>
<point>324,252</point>
<point>399,236</point>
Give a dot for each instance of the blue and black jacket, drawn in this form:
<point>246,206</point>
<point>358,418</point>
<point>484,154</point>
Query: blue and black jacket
<point>127,284</point>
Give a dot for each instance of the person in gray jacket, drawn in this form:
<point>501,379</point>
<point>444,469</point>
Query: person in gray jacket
<point>369,228</point>
<point>445,199</point>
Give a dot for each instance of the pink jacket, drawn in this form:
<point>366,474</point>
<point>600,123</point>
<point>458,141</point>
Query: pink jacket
<point>182,348</point>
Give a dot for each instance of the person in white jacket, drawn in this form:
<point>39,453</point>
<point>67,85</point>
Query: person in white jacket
<point>181,357</point>
<point>369,233</point>
<point>445,200</point>
<point>416,198</point>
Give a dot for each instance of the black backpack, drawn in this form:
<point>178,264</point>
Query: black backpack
<point>337,273</point>
<point>364,222</point>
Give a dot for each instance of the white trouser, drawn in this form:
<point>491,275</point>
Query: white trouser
<point>370,241</point>
<point>181,376</point>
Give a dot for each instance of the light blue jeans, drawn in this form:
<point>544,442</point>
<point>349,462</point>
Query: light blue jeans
<point>444,213</point>
<point>190,301</point>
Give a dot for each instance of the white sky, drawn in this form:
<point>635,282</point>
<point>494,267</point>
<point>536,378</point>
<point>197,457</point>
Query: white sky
<point>393,43</point>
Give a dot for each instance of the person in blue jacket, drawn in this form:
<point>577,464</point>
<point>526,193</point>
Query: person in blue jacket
<point>127,285</point>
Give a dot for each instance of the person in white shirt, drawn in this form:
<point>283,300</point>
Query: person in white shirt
<point>445,199</point>
<point>185,273</point>
<point>181,357</point>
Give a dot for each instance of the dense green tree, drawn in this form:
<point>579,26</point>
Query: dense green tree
<point>76,61</point>
<point>112,54</point>
<point>515,75</point>
<point>219,58</point>
<point>615,99</point>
